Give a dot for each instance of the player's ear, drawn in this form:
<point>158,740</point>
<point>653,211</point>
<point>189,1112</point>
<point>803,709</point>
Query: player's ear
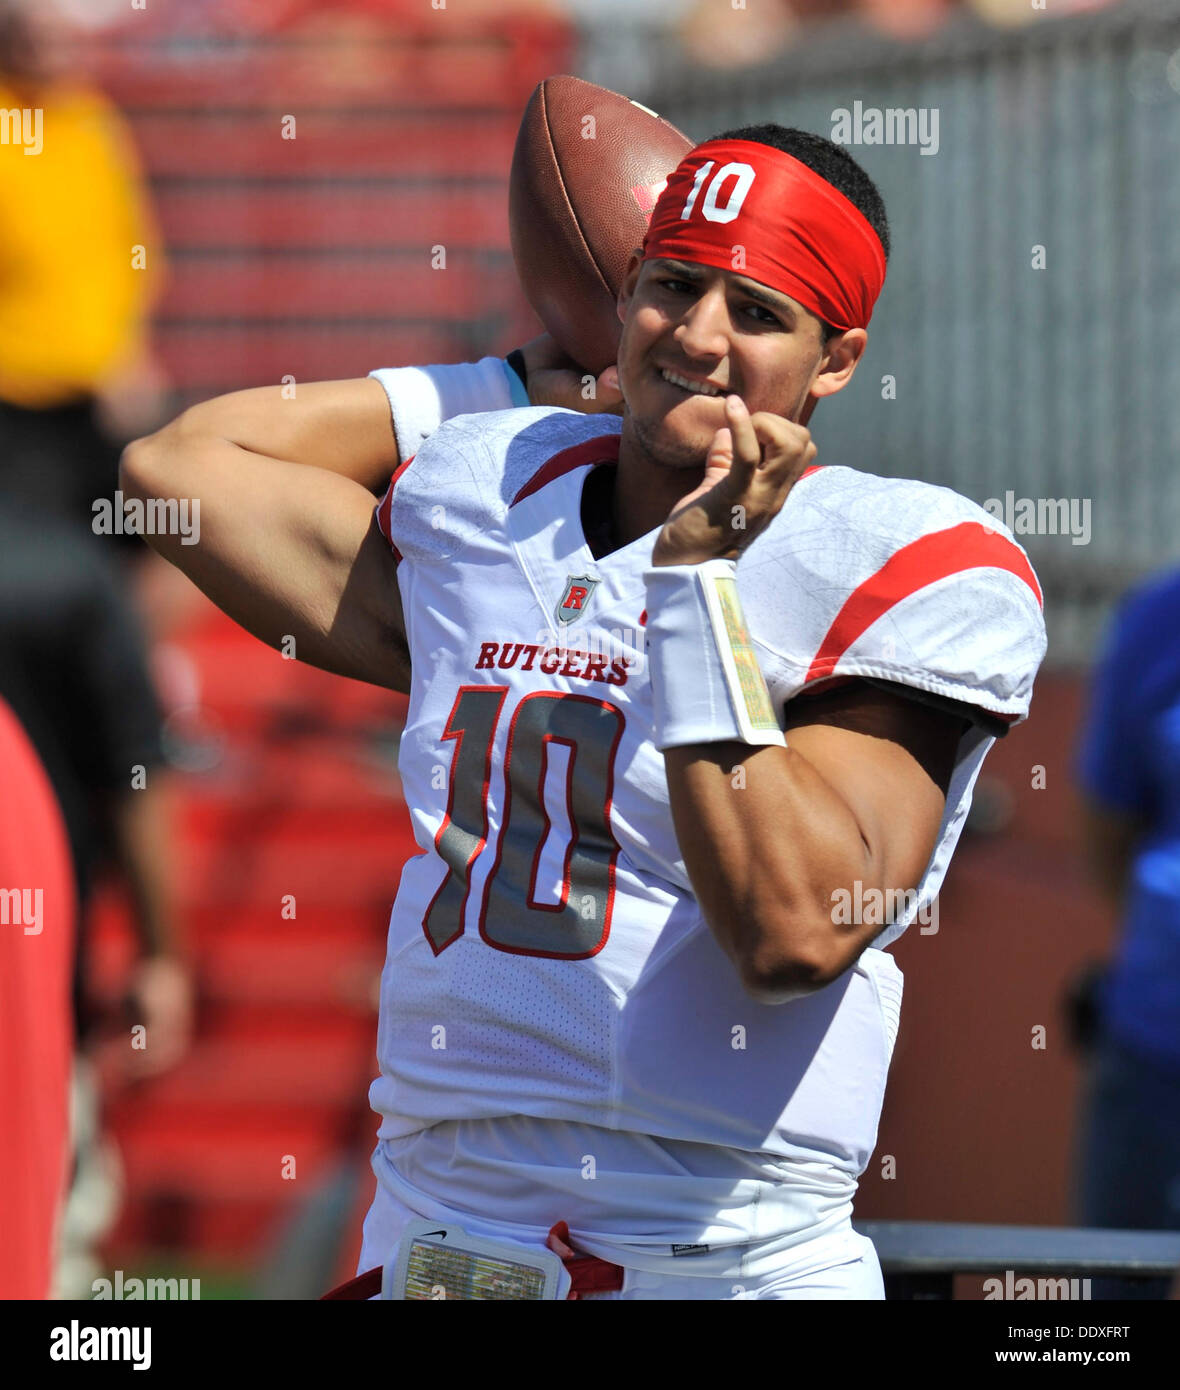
<point>842,352</point>
<point>630,280</point>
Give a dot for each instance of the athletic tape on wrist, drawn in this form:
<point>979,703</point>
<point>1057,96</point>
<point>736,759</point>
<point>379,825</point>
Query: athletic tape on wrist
<point>422,398</point>
<point>707,686</point>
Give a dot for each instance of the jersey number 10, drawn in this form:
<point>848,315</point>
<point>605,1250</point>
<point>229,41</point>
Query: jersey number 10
<point>510,916</point>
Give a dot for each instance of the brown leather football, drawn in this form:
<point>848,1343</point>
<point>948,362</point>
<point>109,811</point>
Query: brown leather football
<point>587,169</point>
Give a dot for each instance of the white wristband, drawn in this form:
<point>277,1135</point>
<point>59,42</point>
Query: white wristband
<point>422,398</point>
<point>707,686</point>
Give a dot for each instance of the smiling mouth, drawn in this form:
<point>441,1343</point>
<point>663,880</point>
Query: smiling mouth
<point>695,388</point>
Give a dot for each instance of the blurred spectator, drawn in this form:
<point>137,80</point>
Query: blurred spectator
<point>716,33</point>
<point>1007,14</point>
<point>36,945</point>
<point>77,379</point>
<point>911,20</point>
<point>1129,768</point>
<point>72,667</point>
<point>82,263</point>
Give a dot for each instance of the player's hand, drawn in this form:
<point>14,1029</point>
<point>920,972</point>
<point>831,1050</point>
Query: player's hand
<point>162,997</point>
<point>555,379</point>
<point>753,463</point>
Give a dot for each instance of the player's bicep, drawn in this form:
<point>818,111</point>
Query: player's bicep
<point>320,576</point>
<point>291,553</point>
<point>890,760</point>
<point>360,630</point>
<point>344,427</point>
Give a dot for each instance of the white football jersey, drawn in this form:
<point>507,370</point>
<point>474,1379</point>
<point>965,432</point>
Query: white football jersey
<point>547,959</point>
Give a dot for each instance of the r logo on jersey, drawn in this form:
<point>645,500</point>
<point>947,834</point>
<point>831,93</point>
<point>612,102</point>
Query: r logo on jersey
<point>576,598</point>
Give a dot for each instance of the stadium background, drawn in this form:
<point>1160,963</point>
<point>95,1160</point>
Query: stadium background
<point>311,258</point>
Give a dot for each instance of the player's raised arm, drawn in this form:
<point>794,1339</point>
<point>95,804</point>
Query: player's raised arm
<point>291,552</point>
<point>363,428</point>
<point>344,427</point>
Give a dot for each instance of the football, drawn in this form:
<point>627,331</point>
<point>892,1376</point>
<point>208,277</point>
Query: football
<point>588,167</point>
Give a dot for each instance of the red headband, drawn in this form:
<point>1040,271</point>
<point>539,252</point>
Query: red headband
<point>794,231</point>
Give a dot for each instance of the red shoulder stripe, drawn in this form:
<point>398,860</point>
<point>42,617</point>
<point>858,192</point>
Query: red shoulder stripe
<point>603,449</point>
<point>385,508</point>
<point>922,562</point>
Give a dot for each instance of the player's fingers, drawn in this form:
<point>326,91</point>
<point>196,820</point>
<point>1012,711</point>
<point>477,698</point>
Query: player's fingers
<point>785,445</point>
<point>747,452</point>
<point>720,453</point>
<point>571,390</point>
<point>542,354</point>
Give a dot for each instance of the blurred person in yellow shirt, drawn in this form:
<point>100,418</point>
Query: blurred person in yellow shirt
<point>81,264</point>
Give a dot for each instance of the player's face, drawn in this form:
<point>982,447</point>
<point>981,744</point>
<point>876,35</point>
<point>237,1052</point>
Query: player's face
<point>723,333</point>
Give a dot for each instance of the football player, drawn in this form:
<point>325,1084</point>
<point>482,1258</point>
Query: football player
<point>694,722</point>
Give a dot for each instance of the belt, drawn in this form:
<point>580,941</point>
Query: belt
<point>588,1274</point>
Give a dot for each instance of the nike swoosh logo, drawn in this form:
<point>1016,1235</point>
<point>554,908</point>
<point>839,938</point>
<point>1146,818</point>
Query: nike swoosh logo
<point>434,1233</point>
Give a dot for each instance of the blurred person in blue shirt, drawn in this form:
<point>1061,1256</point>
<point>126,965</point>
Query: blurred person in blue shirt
<point>1129,768</point>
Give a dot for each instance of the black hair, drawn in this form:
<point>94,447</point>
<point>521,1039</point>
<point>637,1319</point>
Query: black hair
<point>832,163</point>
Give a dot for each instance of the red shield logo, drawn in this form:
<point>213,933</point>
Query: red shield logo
<point>576,597</point>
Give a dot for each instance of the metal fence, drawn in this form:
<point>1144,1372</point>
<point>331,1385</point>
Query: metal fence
<point>1059,383</point>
